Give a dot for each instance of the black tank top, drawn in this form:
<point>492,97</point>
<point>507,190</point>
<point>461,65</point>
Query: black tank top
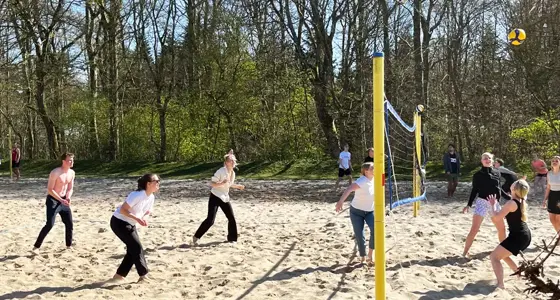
<point>515,224</point>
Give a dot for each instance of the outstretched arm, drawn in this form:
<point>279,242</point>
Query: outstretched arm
<point>506,209</point>
<point>350,189</point>
<point>238,186</point>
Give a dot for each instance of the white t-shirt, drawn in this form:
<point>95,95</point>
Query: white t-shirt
<point>344,160</point>
<point>363,197</point>
<point>223,191</point>
<point>139,203</point>
<point>554,181</point>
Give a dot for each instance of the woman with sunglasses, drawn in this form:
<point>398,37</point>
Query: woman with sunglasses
<point>485,183</point>
<point>135,208</point>
<point>551,199</point>
<point>222,180</point>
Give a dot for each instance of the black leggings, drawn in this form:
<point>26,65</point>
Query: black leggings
<point>54,207</point>
<point>213,204</point>
<point>134,251</point>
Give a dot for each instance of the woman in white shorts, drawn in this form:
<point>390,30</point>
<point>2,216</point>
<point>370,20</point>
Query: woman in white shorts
<point>485,183</point>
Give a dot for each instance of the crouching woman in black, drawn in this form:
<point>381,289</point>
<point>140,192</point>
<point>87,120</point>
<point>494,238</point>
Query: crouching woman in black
<point>519,238</point>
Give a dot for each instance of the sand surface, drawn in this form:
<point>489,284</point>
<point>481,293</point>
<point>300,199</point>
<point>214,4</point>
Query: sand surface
<point>292,245</point>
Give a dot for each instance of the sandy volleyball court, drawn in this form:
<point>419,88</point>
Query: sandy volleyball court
<point>292,245</point>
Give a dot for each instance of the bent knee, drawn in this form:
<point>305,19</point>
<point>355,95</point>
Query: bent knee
<point>498,221</point>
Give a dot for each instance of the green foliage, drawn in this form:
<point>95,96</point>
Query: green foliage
<point>538,137</point>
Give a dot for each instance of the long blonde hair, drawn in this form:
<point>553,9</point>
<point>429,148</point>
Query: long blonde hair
<point>519,190</point>
<point>553,158</point>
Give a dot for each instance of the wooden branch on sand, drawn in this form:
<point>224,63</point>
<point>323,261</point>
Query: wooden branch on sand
<point>533,272</point>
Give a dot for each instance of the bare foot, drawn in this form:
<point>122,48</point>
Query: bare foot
<point>194,241</point>
<point>467,255</point>
<point>117,279</point>
<point>501,286</point>
<point>370,262</point>
<point>144,279</point>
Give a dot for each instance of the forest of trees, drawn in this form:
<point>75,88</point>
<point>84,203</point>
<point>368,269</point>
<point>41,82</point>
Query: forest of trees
<point>169,80</point>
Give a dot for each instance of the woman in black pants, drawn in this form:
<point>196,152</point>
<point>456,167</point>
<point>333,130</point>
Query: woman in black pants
<point>137,206</point>
<point>222,180</point>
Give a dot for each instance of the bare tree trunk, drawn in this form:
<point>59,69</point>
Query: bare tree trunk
<point>38,24</point>
<point>29,114</point>
<point>50,127</point>
<point>111,26</point>
<point>92,37</point>
<point>418,51</point>
<point>319,60</point>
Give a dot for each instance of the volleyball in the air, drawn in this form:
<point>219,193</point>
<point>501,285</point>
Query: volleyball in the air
<point>517,36</point>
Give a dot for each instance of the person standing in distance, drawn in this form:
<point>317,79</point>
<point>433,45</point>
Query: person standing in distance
<point>541,172</point>
<point>344,166</point>
<point>59,198</point>
<point>16,159</point>
<point>452,166</point>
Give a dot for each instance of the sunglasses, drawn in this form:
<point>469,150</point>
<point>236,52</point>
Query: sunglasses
<point>156,181</point>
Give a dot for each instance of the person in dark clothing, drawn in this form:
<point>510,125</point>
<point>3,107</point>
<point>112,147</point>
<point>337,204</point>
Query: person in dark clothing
<point>133,211</point>
<point>221,182</point>
<point>485,182</point>
<point>508,175</point>
<point>519,237</point>
<point>452,166</point>
<point>369,158</point>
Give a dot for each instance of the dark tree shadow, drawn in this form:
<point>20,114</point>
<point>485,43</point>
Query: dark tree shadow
<point>343,277</point>
<point>169,248</point>
<point>439,262</point>
<point>56,290</point>
<point>12,257</point>
<point>481,287</point>
<point>265,276</point>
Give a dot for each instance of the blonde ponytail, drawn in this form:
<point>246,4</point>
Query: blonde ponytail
<point>520,190</point>
<point>523,207</point>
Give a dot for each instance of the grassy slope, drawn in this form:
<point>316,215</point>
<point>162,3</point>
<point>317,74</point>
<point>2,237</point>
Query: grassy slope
<point>294,169</point>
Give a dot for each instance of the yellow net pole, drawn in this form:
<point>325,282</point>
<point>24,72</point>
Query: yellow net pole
<point>10,149</point>
<point>379,172</point>
<point>417,156</point>
<point>414,173</point>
